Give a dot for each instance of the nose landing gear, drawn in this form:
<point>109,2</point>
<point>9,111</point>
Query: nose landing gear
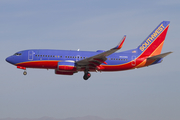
<point>23,68</point>
<point>87,75</point>
<point>24,73</point>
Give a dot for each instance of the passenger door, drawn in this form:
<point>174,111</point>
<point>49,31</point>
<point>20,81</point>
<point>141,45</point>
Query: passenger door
<point>30,55</point>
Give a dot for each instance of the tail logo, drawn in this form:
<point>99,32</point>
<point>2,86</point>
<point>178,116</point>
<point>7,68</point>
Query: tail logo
<point>152,37</point>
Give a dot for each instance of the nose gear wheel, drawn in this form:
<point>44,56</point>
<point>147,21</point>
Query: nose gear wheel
<point>24,73</point>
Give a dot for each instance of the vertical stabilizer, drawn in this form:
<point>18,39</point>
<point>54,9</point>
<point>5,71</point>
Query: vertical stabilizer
<point>153,44</point>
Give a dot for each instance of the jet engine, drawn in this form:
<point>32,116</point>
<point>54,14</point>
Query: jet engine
<point>66,68</point>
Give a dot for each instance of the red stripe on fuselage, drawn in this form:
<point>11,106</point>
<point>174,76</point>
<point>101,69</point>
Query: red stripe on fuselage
<point>39,64</point>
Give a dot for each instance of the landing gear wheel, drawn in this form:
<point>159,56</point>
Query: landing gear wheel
<point>24,73</point>
<point>86,76</point>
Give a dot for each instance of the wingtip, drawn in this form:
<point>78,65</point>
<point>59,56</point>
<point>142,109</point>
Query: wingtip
<point>170,52</point>
<point>119,46</point>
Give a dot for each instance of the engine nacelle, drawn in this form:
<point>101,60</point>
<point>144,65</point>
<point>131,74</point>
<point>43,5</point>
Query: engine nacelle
<point>66,66</point>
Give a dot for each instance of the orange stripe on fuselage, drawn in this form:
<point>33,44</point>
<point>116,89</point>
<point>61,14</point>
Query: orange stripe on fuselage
<point>149,62</point>
<point>158,50</point>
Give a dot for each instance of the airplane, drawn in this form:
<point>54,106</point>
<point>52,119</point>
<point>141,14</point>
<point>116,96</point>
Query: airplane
<point>68,62</point>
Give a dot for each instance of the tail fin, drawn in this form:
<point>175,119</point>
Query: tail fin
<point>153,44</point>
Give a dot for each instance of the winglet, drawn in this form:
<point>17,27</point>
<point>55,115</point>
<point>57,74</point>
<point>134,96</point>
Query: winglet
<point>119,46</point>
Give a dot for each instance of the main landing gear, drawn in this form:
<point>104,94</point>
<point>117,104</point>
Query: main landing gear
<point>87,75</point>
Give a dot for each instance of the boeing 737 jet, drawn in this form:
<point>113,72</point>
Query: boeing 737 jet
<point>68,62</point>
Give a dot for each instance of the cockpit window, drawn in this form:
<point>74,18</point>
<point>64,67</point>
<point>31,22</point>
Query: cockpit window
<point>17,54</point>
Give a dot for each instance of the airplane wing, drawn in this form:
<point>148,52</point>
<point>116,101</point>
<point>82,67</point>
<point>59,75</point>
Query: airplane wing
<point>95,61</point>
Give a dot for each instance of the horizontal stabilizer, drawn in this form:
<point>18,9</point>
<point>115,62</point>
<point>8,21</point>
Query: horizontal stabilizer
<point>159,56</point>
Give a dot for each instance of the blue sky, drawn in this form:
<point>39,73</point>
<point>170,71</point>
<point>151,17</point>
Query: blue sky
<point>150,93</point>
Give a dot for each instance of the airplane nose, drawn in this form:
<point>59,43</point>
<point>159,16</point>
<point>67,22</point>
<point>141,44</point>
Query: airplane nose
<point>9,60</point>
